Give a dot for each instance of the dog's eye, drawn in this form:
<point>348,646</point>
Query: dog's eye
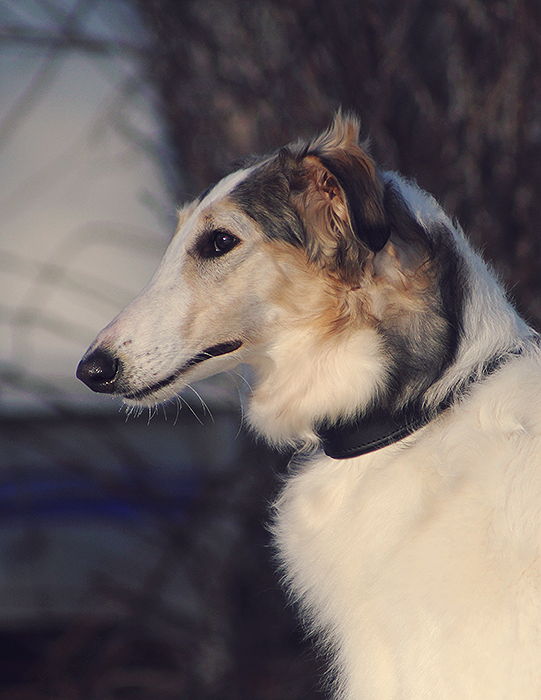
<point>224,241</point>
<point>216,242</point>
<point>221,242</point>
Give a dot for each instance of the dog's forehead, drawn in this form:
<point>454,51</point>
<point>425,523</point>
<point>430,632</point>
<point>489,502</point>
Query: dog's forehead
<point>216,193</point>
<point>260,194</point>
<point>207,206</point>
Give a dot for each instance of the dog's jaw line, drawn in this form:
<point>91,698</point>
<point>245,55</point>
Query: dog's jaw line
<point>207,354</point>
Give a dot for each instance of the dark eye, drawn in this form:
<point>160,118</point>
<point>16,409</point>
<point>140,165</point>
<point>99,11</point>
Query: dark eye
<point>218,242</point>
<point>224,241</point>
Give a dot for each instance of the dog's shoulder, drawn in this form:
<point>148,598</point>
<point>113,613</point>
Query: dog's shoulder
<point>510,401</point>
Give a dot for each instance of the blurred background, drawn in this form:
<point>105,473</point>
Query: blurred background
<point>134,557</point>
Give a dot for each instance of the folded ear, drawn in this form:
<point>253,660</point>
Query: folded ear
<point>340,152</point>
<point>362,191</point>
<point>340,199</point>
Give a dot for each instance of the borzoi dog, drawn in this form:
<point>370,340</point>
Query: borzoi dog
<point>409,527</point>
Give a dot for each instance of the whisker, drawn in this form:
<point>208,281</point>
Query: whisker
<point>234,375</point>
<point>241,376</point>
<point>152,411</point>
<point>186,403</point>
<point>205,406</point>
<point>178,404</point>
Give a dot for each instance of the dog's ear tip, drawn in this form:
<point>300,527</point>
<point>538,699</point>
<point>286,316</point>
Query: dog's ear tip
<point>347,121</point>
<point>377,237</point>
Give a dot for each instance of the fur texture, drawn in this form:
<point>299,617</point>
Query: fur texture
<point>349,291</point>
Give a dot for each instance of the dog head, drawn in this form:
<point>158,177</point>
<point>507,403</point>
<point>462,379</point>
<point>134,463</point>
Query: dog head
<point>308,265</point>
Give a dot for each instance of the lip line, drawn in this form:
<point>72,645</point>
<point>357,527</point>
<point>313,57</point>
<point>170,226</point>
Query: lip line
<point>207,354</point>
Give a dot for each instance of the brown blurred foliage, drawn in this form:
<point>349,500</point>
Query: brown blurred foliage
<point>448,90</point>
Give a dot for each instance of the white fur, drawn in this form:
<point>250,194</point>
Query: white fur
<point>418,565</point>
<point>421,561</point>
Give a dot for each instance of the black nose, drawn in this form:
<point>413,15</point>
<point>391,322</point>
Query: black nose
<point>99,370</point>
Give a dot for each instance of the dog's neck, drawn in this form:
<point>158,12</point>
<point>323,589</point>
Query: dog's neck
<point>380,428</point>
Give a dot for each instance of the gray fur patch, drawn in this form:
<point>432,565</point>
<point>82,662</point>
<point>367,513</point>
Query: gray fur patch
<point>265,197</point>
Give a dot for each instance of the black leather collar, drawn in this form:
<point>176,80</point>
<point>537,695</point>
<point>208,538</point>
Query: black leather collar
<point>379,428</point>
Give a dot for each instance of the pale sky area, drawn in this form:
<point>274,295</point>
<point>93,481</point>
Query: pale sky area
<point>84,209</point>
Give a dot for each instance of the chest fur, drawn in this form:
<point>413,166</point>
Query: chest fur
<point>403,563</point>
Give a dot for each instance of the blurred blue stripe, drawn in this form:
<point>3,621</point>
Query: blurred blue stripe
<point>85,498</point>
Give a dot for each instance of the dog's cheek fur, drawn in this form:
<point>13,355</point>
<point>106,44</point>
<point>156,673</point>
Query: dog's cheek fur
<point>325,352</point>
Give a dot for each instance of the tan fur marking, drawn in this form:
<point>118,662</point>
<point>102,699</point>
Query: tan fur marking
<point>319,299</point>
<point>315,298</point>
